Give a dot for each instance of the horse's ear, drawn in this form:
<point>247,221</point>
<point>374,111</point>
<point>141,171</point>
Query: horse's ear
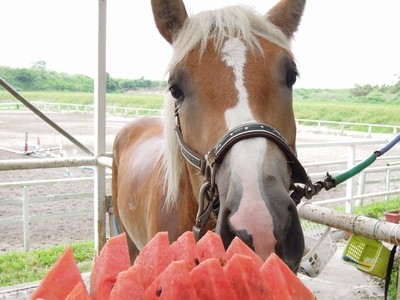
<point>286,15</point>
<point>169,15</point>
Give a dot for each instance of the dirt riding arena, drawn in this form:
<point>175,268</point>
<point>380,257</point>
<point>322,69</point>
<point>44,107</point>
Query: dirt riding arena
<point>50,231</point>
<point>41,136</point>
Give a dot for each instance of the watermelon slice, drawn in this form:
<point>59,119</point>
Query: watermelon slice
<point>113,258</point>
<point>184,248</point>
<point>173,283</point>
<point>238,246</point>
<point>278,275</point>
<point>79,292</point>
<point>154,257</point>
<point>211,246</point>
<point>182,270</point>
<point>61,278</point>
<point>129,285</point>
<point>210,282</point>
<point>245,278</point>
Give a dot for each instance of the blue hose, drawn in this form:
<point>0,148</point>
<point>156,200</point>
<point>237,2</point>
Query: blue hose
<point>389,145</point>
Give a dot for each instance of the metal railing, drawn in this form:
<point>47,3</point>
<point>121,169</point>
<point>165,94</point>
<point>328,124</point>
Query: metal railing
<point>391,171</point>
<point>343,125</point>
<point>26,200</point>
<point>84,108</point>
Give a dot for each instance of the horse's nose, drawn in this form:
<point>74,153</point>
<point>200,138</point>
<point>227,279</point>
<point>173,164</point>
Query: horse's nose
<point>227,233</point>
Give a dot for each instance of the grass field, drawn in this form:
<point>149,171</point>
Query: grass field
<point>327,105</point>
<point>19,267</point>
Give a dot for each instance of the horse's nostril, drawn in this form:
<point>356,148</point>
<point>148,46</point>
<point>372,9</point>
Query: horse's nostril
<point>245,237</point>
<point>227,213</point>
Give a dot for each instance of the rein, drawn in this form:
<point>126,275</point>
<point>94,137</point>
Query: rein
<point>208,165</point>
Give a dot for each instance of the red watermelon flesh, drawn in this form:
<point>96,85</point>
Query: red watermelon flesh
<point>154,257</point>
<point>172,284</point>
<point>79,292</point>
<point>173,274</point>
<point>245,278</point>
<point>210,282</point>
<point>283,283</point>
<point>129,285</point>
<point>277,286</point>
<point>184,248</point>
<point>61,278</point>
<point>113,259</point>
<point>211,246</point>
<point>238,246</point>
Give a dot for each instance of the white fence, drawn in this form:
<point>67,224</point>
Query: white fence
<point>83,108</point>
<point>389,170</point>
<point>384,174</point>
<point>344,126</point>
<point>136,112</point>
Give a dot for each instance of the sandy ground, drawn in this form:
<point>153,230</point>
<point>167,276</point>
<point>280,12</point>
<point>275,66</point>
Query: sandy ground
<point>340,281</point>
<point>337,281</point>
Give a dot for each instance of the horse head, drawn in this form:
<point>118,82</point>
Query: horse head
<point>232,72</point>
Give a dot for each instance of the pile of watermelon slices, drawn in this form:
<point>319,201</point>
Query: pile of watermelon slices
<point>183,269</point>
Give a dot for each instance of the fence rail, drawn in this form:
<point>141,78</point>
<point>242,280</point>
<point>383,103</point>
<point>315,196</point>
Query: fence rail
<point>343,125</point>
<point>389,174</point>
<point>391,171</point>
<point>136,112</point>
<point>84,108</point>
<point>26,201</point>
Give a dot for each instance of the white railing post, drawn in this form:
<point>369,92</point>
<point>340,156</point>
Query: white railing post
<point>351,156</point>
<point>387,183</point>
<point>100,131</point>
<point>361,188</point>
<point>25,216</point>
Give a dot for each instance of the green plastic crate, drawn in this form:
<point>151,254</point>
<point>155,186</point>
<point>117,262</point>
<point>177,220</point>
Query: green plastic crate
<point>367,255</point>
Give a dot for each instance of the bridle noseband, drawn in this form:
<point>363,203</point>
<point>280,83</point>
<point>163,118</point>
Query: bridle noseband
<point>208,164</point>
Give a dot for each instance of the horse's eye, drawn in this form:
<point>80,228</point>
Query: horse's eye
<point>176,92</point>
<point>291,73</point>
<point>291,77</point>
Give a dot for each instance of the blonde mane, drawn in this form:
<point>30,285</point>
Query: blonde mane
<point>218,25</point>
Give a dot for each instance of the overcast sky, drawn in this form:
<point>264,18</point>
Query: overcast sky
<point>340,43</point>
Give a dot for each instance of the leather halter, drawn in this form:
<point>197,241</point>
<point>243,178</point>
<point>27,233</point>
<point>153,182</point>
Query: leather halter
<point>241,132</point>
<point>208,164</point>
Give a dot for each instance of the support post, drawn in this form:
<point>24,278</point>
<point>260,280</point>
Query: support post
<point>361,188</point>
<point>351,156</point>
<point>100,132</point>
<point>25,216</point>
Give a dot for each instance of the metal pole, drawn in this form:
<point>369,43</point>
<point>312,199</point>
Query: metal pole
<point>41,163</point>
<point>25,216</point>
<point>349,184</point>
<point>41,115</point>
<point>100,129</point>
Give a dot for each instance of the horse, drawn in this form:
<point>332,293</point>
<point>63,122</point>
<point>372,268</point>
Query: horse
<point>223,155</point>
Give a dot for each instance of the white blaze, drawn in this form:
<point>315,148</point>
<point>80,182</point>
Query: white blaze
<point>252,214</point>
<point>234,56</point>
